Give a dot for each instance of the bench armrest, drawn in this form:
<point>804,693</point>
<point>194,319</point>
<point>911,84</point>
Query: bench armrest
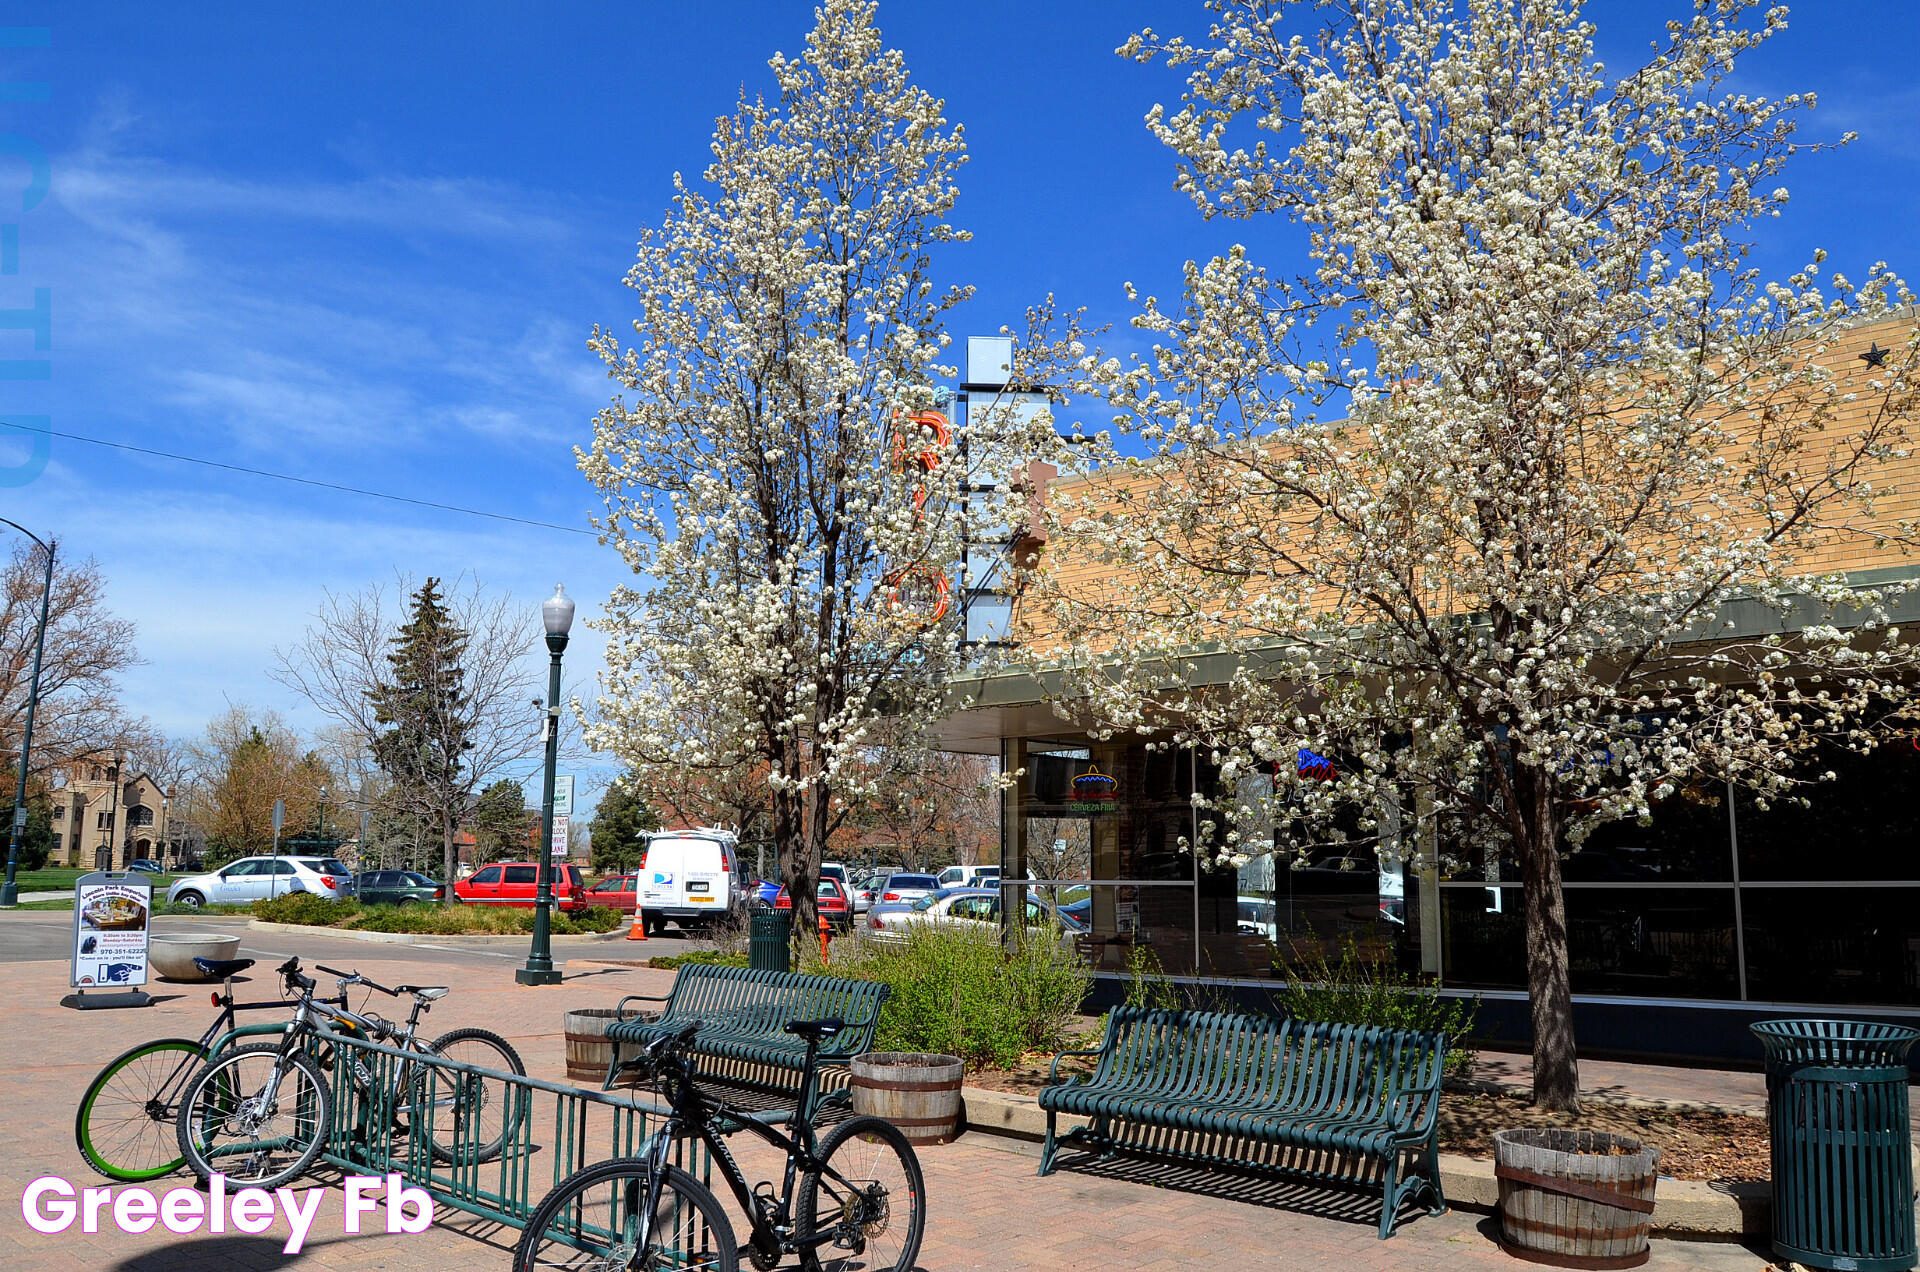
<point>1428,1092</point>
<point>1053,1072</point>
<point>620,1008</point>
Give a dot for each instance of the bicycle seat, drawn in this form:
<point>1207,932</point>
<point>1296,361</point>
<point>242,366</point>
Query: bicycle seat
<point>221,968</point>
<point>815,1030</point>
<point>432,993</point>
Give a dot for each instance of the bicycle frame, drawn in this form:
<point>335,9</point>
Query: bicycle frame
<point>219,1035</point>
<point>696,1116</point>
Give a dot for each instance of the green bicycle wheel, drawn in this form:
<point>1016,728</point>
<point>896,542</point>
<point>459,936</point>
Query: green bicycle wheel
<point>125,1125</point>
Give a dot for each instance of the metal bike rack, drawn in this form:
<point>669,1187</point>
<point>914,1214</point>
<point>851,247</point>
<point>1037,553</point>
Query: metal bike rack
<point>551,1130</point>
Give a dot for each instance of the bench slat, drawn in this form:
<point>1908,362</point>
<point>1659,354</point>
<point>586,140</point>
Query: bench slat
<point>1351,1093</point>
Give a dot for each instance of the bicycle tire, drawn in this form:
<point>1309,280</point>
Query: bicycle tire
<point>124,1125</point>
<point>471,1097</point>
<point>217,1094</point>
<point>875,1142</point>
<point>705,1235</point>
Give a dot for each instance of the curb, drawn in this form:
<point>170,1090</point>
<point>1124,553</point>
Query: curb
<point>426,938</point>
<point>1687,1208</point>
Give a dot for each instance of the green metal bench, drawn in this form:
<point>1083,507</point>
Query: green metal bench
<point>744,1016</point>
<point>1332,1101</point>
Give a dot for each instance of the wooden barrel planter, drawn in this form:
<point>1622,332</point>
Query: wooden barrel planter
<point>917,1091</point>
<point>588,1051</point>
<point>1575,1199</point>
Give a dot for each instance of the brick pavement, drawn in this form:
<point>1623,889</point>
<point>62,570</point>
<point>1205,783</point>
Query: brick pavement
<point>987,1209</point>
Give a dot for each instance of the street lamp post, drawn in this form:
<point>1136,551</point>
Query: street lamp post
<point>9,891</point>
<point>556,614</point>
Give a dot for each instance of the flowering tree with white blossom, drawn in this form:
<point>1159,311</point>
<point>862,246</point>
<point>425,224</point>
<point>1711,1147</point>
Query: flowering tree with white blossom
<point>1524,504</point>
<point>791,526</point>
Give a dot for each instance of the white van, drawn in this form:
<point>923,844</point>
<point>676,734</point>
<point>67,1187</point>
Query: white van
<point>970,877</point>
<point>692,878</point>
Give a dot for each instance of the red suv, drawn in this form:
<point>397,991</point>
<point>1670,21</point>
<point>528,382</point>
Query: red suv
<point>831,904</point>
<point>515,883</point>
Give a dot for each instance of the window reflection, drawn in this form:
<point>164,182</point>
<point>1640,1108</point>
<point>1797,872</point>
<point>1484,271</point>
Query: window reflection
<point>1833,945</point>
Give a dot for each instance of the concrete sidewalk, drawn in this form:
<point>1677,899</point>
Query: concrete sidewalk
<point>986,1208</point>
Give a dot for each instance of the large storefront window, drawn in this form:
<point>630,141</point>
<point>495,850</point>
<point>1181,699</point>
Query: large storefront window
<point>1714,898</point>
<point>1862,826</point>
<point>1103,831</point>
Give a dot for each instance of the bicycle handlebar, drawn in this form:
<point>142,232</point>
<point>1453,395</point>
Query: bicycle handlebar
<point>356,978</point>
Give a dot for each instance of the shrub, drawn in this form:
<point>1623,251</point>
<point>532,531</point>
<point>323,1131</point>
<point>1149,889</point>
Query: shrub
<point>308,908</point>
<point>1356,991</point>
<point>718,958</point>
<point>428,920</point>
<point>959,992</point>
<point>595,918</point>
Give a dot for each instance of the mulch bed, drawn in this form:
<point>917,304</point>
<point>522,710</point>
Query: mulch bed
<point>1725,1147</point>
<point>1712,1146</point>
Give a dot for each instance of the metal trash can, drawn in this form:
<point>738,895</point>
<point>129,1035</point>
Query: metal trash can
<point>1842,1159</point>
<point>770,941</point>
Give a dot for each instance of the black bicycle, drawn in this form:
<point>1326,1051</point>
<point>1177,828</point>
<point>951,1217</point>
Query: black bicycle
<point>125,1124</point>
<point>855,1195</point>
<point>260,1114</point>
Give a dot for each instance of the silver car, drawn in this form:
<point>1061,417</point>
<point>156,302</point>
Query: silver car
<point>253,879</point>
<point>957,908</point>
<point>901,886</point>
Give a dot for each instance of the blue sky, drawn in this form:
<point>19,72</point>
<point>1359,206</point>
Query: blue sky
<point>364,244</point>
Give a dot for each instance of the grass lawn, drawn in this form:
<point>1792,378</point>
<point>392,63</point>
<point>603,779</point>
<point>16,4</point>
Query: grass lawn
<point>62,879</point>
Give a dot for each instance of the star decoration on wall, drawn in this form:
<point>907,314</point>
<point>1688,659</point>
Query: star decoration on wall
<point>1875,356</point>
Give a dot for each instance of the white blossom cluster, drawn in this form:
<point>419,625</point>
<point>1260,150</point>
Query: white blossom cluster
<point>1485,503</point>
<point>788,318</point>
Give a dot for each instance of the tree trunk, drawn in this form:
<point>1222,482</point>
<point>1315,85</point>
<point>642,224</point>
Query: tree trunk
<point>797,871</point>
<point>1556,1065</point>
<point>448,863</point>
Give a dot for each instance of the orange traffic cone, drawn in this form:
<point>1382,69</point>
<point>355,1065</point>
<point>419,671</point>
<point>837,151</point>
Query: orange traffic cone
<point>638,932</point>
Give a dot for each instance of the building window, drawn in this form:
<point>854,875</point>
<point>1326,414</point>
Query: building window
<point>94,774</point>
<point>139,815</point>
<point>56,840</point>
<point>100,820</point>
<point>59,811</point>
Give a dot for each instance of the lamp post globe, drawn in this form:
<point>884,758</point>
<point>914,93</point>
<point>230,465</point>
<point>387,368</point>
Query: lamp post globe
<point>556,616</point>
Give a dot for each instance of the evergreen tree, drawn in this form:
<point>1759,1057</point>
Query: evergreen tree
<point>618,824</point>
<point>428,719</point>
<point>501,822</point>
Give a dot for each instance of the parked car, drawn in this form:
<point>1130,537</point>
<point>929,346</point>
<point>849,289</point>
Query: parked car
<point>144,866</point>
<point>691,878</point>
<point>865,891</point>
<point>969,876</point>
<point>616,892</point>
<point>253,879</point>
<point>397,887</point>
<point>906,887</point>
<point>516,883</point>
<point>830,899</point>
<point>763,892</point>
<point>959,908</point>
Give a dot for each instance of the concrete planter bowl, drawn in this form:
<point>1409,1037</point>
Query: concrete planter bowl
<point>172,953</point>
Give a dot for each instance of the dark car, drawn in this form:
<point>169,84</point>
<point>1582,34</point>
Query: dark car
<point>144,866</point>
<point>397,887</point>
